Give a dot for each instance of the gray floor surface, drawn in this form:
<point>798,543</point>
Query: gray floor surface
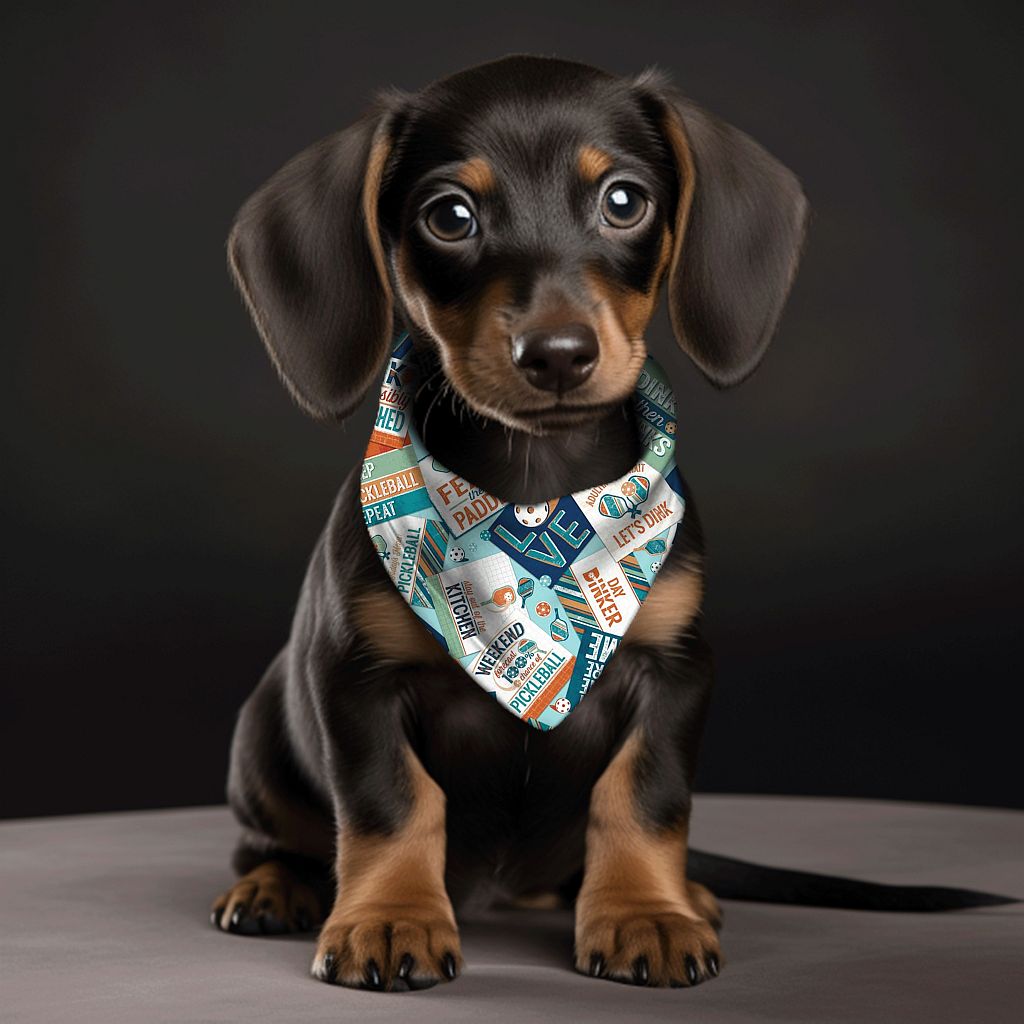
<point>103,919</point>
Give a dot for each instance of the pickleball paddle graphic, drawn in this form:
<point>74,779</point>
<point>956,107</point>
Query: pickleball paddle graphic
<point>501,598</point>
<point>635,491</point>
<point>559,629</point>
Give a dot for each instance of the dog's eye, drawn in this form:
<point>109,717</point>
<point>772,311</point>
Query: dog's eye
<point>623,206</point>
<point>450,219</point>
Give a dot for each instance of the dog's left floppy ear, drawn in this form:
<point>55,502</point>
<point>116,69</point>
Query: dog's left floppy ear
<point>737,237</point>
<point>306,253</point>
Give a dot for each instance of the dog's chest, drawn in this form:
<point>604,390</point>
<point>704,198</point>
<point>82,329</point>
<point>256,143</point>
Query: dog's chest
<point>516,798</point>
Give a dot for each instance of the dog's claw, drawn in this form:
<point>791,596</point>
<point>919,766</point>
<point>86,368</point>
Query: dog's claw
<point>448,966</point>
<point>372,975</point>
<point>712,965</point>
<point>641,971</point>
<point>329,967</point>
<point>238,916</point>
<point>215,917</point>
<point>692,974</point>
<point>405,966</point>
<point>596,965</point>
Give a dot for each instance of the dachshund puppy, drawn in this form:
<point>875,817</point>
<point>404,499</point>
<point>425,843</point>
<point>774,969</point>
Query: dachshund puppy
<point>518,220</point>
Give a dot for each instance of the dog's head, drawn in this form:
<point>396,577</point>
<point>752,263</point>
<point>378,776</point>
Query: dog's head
<point>521,216</point>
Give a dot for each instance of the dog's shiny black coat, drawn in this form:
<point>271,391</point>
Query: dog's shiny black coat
<point>324,728</point>
<point>320,741</point>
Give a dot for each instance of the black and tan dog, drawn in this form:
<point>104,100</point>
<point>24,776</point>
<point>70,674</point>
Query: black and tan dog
<point>519,219</point>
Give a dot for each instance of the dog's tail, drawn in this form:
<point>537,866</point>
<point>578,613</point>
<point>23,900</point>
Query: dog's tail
<point>733,879</point>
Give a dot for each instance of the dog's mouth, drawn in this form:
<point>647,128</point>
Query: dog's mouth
<point>565,413</point>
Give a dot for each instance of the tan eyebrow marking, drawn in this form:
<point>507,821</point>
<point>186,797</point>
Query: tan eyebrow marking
<point>477,174</point>
<point>593,162</point>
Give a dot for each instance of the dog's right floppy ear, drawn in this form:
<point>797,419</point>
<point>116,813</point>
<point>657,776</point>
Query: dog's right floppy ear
<point>306,253</point>
<point>739,229</point>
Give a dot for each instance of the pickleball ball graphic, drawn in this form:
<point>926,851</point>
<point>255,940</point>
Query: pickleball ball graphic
<point>532,515</point>
<point>543,609</point>
<point>656,565</point>
<point>563,706</point>
<point>456,554</point>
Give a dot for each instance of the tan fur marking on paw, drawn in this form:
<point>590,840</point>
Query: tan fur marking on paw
<point>392,902</point>
<point>634,905</point>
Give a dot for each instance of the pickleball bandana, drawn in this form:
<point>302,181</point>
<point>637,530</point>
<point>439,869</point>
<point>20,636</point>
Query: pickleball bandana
<point>531,600</point>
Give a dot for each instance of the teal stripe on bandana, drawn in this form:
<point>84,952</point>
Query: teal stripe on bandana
<point>531,601</point>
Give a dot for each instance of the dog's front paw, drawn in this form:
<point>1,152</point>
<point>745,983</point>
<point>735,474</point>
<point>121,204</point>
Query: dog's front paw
<point>643,944</point>
<point>388,949</point>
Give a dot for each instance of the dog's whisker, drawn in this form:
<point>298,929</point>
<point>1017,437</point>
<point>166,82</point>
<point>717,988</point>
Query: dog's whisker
<point>426,383</point>
<point>430,409</point>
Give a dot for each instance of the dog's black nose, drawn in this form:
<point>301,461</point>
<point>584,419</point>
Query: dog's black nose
<point>556,359</point>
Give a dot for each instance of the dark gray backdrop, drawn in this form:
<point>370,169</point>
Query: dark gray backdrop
<point>861,493</point>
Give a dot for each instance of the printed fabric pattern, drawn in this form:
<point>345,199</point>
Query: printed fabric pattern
<point>532,599</point>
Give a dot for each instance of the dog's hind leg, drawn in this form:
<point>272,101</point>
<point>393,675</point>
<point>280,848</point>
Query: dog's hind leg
<point>275,897</point>
<point>283,857</point>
